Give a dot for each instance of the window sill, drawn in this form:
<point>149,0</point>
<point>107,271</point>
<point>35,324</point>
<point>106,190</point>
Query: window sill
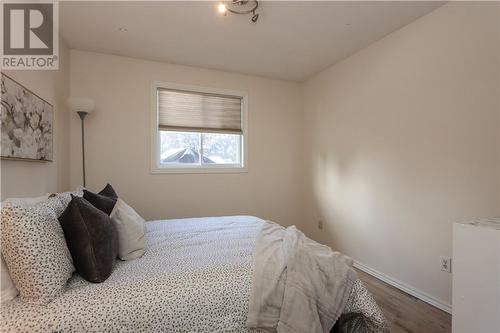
<point>173,170</point>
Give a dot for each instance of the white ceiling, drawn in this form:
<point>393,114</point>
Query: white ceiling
<point>292,40</point>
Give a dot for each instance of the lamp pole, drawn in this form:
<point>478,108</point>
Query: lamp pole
<point>82,106</point>
<point>82,115</point>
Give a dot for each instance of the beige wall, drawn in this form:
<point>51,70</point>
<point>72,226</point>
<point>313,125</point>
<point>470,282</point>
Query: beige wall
<point>20,178</point>
<point>118,142</point>
<point>402,139</point>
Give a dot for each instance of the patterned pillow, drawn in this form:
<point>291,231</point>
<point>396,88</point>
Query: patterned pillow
<point>25,201</point>
<point>35,250</point>
<point>65,198</point>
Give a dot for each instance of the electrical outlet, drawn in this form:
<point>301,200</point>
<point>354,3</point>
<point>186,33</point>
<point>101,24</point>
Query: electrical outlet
<point>445,264</point>
<point>320,224</point>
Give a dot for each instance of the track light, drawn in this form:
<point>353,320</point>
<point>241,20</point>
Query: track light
<point>239,7</point>
<point>255,17</point>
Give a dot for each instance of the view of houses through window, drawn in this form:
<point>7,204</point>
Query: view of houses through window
<point>194,148</point>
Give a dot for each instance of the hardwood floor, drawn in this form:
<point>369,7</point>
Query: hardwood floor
<point>406,313</point>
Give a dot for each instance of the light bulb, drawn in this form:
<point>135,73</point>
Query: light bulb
<point>222,8</point>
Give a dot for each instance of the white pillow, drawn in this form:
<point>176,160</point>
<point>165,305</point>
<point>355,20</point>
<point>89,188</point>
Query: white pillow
<point>130,228</point>
<point>7,288</point>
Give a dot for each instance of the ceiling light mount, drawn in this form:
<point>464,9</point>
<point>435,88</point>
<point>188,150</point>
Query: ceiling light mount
<point>240,7</point>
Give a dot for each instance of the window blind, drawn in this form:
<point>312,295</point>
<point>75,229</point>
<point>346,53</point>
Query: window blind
<point>199,112</point>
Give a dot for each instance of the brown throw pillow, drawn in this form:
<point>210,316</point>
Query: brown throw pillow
<point>92,239</point>
<point>109,191</point>
<point>99,201</point>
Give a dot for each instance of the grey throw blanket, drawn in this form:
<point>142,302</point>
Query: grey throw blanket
<point>299,285</point>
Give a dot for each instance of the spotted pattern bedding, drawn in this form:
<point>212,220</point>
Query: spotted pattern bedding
<point>194,277</point>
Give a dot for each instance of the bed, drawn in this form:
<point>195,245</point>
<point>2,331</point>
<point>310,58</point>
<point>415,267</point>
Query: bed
<point>196,276</point>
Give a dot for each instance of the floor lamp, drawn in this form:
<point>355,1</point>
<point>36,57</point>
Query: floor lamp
<point>82,106</point>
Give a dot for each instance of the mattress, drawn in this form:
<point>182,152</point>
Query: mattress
<point>195,276</point>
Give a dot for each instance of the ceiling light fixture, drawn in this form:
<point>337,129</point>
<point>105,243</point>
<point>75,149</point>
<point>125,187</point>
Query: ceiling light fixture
<point>222,9</point>
<point>239,7</point>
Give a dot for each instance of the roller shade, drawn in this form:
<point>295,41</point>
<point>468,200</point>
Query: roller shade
<point>200,112</point>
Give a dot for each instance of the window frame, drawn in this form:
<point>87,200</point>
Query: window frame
<point>202,168</point>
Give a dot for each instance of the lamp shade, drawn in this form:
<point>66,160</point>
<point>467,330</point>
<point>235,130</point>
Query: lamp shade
<point>81,104</point>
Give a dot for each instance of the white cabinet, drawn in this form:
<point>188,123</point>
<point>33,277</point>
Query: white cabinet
<point>476,276</point>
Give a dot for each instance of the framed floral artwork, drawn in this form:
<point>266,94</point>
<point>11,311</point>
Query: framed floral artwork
<point>26,123</point>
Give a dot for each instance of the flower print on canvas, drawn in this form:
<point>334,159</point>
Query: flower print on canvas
<point>26,123</point>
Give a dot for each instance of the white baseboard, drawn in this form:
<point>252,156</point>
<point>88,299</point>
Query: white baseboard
<point>404,287</point>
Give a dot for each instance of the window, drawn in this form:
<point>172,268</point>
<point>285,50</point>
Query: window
<point>197,129</point>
